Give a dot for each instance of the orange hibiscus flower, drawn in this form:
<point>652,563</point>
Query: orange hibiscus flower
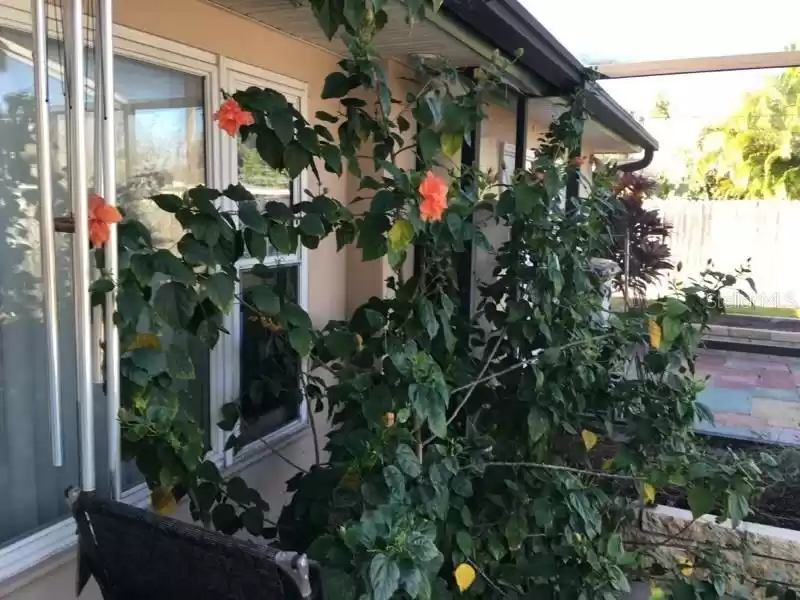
<point>231,116</point>
<point>433,190</point>
<point>101,214</point>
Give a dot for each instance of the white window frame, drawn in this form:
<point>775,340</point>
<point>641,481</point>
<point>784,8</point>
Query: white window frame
<point>239,75</point>
<point>32,556</point>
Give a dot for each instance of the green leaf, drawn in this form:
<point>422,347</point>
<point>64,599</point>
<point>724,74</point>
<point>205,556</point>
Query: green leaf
<point>421,548</point>
<point>525,199</point>
<point>164,261</point>
<point>101,286</point>
<point>537,425</point>
<point>341,344</point>
<point>142,267</point>
<point>326,116</point>
<point>462,486</point>
<point>301,340</point>
<point>282,123</point>
<point>219,288</point>
<point>738,508</point>
<point>256,244</point>
<point>270,149</point>
<point>408,461</point>
<point>429,144</point>
<point>384,201</point>
<point>179,363</point>
<point>296,158</point>
<point>415,583</point>
<point>496,547</point>
<point>430,407</point>
<point>384,577</point>
<point>307,138</point>
<point>225,519</point>
<point>505,205</point>
<point>250,217</point>
<point>311,224</point>
<point>279,237</point>
<point>168,202</point>
<point>337,85</point>
<point>152,360</point>
<point>394,481</point>
<point>427,316</point>
<point>296,315</point>
<point>464,543</point>
<point>670,329</point>
<point>332,157</point>
<point>701,501</point>
<point>253,520</point>
<point>238,193</point>
<point>337,584</point>
<point>175,304</point>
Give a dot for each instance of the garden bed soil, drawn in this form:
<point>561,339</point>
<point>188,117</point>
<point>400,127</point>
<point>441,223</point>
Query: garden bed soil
<point>778,505</point>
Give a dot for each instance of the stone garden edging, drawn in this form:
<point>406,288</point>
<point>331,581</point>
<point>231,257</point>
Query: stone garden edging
<point>762,551</point>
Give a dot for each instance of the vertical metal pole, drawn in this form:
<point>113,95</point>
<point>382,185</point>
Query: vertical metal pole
<point>46,229</point>
<point>106,41</point>
<point>97,168</point>
<point>521,134</point>
<point>81,265</point>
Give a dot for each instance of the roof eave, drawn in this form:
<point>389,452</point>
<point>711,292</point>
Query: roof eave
<point>509,26</point>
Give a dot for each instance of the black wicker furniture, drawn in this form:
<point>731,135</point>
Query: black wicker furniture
<point>136,554</point>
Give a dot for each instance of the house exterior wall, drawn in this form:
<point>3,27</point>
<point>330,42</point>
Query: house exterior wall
<point>338,281</point>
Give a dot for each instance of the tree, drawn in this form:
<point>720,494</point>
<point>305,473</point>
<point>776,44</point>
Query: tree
<point>661,107</point>
<point>755,152</point>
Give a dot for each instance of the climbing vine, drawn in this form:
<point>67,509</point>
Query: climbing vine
<point>503,452</point>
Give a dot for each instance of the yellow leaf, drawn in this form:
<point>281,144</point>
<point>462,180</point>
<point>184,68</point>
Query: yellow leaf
<point>388,419</point>
<point>351,480</point>
<point>607,464</point>
<point>163,500</point>
<point>145,340</point>
<point>649,493</point>
<point>589,439</point>
<point>655,333</point>
<point>451,143</point>
<point>686,567</point>
<point>656,593</point>
<point>465,575</point>
<point>400,235</point>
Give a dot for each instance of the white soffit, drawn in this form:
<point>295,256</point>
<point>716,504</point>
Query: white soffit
<point>397,40</point>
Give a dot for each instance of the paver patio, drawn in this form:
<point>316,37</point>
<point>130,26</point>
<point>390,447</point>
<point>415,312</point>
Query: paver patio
<point>752,396</point>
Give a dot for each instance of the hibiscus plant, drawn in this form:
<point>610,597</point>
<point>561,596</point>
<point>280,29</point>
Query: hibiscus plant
<point>504,450</point>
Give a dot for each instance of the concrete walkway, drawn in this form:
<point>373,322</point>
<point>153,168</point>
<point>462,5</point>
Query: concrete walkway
<point>752,396</point>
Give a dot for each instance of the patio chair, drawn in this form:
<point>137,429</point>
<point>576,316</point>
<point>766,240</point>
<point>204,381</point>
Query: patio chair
<point>136,554</point>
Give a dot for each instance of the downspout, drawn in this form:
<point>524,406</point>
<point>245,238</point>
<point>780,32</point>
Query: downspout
<point>638,165</point>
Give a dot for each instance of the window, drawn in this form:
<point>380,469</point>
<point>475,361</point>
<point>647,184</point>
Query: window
<point>165,94</point>
<point>267,369</point>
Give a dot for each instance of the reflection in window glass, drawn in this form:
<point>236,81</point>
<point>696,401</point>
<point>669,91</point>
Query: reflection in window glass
<point>270,368</point>
<point>264,182</point>
<point>160,140</point>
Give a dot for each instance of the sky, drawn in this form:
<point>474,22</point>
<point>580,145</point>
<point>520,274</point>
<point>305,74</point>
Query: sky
<point>637,30</point>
